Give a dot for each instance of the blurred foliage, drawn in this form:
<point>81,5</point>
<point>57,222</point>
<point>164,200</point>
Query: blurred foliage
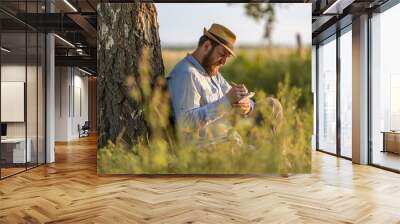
<point>260,11</point>
<point>263,70</point>
<point>284,73</point>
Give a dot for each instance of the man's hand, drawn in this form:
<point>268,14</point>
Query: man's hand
<point>236,93</point>
<point>243,106</point>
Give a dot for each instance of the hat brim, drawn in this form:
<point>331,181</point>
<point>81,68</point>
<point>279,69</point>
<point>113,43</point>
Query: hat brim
<point>219,42</point>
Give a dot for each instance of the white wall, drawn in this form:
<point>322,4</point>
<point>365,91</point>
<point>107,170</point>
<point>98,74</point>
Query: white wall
<point>79,112</point>
<point>71,93</point>
<point>13,73</point>
<point>33,127</point>
<point>61,103</point>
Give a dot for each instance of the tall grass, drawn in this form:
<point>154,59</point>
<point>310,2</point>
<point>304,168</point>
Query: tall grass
<point>281,74</point>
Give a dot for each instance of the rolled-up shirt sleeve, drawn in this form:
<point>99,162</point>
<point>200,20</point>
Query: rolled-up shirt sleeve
<point>185,93</point>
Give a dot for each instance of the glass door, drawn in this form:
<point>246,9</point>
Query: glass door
<point>385,89</point>
<point>327,95</point>
<point>346,92</point>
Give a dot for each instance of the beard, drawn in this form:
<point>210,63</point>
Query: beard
<point>212,68</point>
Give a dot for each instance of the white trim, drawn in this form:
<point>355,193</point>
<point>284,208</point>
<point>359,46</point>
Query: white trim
<point>70,5</point>
<point>5,50</point>
<point>64,40</point>
<point>337,7</point>
<point>84,71</point>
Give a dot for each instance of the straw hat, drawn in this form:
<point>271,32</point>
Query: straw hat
<point>221,35</point>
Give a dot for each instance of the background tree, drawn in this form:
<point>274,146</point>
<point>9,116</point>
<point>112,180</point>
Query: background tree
<point>260,11</point>
<point>266,11</point>
<point>124,32</point>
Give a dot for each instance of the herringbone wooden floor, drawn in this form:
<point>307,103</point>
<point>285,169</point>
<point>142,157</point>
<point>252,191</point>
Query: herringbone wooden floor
<point>70,191</point>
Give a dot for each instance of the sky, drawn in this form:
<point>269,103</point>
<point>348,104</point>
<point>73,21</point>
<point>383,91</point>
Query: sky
<point>183,23</point>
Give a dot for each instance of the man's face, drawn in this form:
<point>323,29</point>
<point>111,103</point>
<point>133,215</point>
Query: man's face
<point>214,59</point>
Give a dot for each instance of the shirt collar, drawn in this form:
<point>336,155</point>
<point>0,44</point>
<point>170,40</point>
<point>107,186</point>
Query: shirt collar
<point>196,64</point>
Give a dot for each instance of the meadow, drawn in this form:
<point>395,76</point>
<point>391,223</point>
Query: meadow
<point>283,73</point>
<point>261,68</point>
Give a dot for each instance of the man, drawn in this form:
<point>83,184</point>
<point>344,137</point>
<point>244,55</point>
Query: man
<point>201,97</point>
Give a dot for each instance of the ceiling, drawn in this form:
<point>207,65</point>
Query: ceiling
<point>331,15</point>
<point>74,22</point>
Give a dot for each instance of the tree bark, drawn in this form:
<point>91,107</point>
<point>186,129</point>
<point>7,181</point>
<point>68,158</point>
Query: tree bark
<point>124,30</point>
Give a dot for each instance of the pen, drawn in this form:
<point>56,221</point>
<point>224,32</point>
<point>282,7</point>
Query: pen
<point>232,82</point>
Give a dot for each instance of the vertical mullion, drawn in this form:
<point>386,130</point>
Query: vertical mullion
<point>0,92</point>
<point>37,89</point>
<point>69,92</point>
<point>73,92</point>
<point>60,86</point>
<point>338,73</point>
<point>45,88</point>
<point>26,85</point>
<point>316,95</point>
<point>369,89</point>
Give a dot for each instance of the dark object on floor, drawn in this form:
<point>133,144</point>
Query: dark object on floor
<point>84,130</point>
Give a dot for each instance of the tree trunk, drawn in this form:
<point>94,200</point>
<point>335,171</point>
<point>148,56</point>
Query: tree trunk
<point>124,30</point>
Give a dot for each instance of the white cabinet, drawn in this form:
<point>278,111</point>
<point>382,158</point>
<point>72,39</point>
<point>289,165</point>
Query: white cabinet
<point>18,149</point>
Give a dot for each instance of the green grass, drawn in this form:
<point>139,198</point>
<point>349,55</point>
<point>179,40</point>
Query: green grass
<point>283,73</point>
